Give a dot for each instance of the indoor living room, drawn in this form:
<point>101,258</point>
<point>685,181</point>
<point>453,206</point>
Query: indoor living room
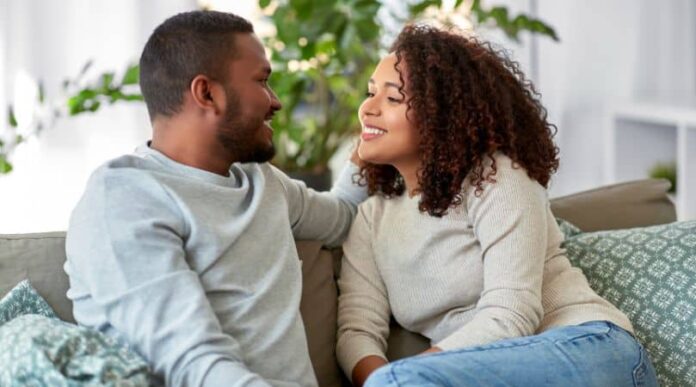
<point>617,80</point>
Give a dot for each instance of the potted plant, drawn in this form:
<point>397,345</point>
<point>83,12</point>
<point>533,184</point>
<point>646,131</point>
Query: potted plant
<point>323,53</point>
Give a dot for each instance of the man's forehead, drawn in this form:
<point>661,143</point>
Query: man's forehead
<point>248,46</point>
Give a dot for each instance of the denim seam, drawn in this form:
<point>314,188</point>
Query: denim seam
<point>638,367</point>
<point>392,375</point>
<point>479,349</point>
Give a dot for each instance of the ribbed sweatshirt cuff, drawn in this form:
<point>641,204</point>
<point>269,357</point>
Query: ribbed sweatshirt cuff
<point>229,373</point>
<point>350,351</point>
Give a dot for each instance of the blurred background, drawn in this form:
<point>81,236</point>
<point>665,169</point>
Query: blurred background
<point>618,78</point>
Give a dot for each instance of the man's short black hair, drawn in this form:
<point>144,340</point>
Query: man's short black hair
<point>184,46</point>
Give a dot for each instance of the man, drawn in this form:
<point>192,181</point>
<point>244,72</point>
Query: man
<point>186,250</point>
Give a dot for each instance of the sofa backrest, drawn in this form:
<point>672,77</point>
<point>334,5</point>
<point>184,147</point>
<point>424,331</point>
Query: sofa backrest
<point>625,205</point>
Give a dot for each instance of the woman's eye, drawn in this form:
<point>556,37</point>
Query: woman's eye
<point>369,94</point>
<point>394,100</point>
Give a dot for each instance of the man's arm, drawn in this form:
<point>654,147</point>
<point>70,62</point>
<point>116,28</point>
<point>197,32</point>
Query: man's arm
<point>324,216</point>
<point>126,244</point>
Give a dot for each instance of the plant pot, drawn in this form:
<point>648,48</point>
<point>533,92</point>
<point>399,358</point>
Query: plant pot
<point>319,181</point>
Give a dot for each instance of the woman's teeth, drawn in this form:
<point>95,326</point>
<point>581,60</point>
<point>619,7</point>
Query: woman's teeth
<point>374,131</point>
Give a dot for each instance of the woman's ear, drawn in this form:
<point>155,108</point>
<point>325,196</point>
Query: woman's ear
<point>207,94</point>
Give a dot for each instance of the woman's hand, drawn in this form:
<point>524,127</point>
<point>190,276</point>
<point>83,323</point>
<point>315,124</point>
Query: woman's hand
<point>365,367</point>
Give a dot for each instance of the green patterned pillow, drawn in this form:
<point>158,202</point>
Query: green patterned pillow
<point>40,351</point>
<point>23,299</point>
<point>650,274</point>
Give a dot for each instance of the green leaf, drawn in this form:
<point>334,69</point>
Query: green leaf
<point>11,117</point>
<point>42,94</point>
<point>264,3</point>
<point>303,8</point>
<point>418,8</point>
<point>106,80</point>
<point>94,106</point>
<point>133,97</point>
<point>458,3</point>
<point>5,166</point>
<point>132,75</point>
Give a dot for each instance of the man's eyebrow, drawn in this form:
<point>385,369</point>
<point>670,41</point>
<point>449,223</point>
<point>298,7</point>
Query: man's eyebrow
<point>391,84</point>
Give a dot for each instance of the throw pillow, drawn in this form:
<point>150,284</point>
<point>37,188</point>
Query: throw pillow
<point>21,300</point>
<point>650,274</point>
<point>41,351</point>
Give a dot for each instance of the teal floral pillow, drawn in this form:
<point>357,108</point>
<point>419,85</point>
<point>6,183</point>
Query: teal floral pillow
<point>650,274</point>
<point>21,300</point>
<point>41,351</point>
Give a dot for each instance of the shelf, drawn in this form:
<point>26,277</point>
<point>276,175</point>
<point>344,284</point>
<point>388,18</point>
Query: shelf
<point>641,135</point>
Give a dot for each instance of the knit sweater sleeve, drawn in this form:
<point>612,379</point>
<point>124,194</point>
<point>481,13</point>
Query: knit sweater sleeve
<point>509,220</point>
<point>363,306</point>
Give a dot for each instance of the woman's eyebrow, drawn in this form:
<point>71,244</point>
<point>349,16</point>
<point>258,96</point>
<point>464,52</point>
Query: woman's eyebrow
<point>391,84</point>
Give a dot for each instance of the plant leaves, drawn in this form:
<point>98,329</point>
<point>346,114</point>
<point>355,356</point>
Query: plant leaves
<point>42,94</point>
<point>418,8</point>
<point>106,79</point>
<point>5,166</point>
<point>11,117</point>
<point>132,75</point>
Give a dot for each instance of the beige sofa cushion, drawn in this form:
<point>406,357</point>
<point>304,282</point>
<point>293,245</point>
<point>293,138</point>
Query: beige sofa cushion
<point>38,258</point>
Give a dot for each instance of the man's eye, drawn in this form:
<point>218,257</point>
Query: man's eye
<point>369,94</point>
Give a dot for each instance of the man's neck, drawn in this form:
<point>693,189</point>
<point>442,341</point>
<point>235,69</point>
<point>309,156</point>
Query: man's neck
<point>190,145</point>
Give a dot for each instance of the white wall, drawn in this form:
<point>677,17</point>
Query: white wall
<point>610,52</point>
<point>51,40</point>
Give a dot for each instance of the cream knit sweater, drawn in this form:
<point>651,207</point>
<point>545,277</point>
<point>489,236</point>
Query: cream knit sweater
<point>490,269</point>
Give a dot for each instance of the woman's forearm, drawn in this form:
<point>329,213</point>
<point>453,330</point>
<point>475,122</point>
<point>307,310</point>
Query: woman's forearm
<point>365,367</point>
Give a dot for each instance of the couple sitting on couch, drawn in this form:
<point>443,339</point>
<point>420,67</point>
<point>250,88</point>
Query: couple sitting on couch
<point>185,249</point>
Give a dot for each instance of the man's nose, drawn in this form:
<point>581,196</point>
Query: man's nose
<point>275,102</point>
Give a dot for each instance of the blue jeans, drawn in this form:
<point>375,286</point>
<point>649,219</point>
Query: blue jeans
<point>596,353</point>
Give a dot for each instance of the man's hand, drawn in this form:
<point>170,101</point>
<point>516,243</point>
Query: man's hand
<point>354,157</point>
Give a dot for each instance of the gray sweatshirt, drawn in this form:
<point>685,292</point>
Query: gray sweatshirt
<point>198,272</point>
<point>491,269</point>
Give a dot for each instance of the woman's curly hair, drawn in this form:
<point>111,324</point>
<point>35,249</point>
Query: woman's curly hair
<point>468,101</point>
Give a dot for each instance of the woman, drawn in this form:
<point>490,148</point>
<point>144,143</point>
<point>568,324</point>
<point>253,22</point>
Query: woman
<point>458,242</point>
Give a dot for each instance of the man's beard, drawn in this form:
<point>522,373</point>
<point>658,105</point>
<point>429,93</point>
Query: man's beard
<point>239,135</point>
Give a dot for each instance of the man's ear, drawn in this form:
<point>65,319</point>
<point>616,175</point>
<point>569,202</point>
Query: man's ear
<point>207,94</point>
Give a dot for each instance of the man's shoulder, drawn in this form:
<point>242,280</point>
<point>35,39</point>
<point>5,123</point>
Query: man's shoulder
<point>127,175</point>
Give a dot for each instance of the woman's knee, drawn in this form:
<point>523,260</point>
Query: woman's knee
<point>407,373</point>
<point>381,377</point>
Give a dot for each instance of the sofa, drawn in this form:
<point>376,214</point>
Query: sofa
<point>40,257</point>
